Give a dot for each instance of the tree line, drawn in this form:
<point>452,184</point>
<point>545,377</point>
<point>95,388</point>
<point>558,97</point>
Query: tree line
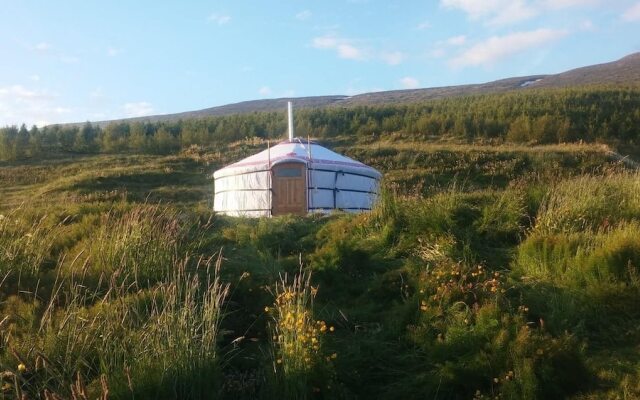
<point>601,114</point>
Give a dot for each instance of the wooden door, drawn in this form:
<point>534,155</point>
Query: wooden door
<point>289,189</point>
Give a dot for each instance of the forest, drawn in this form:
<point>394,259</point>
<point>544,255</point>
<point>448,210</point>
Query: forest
<point>594,114</point>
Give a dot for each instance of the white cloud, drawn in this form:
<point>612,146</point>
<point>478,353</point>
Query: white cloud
<point>22,94</point>
<point>264,91</point>
<point>456,40</point>
<point>62,110</point>
<point>343,47</point>
<point>436,53</point>
<point>350,52</point>
<point>303,15</point>
<point>632,13</point>
<point>513,12</point>
<point>498,47</point>
<point>474,8</point>
<point>47,50</point>
<point>97,93</point>
<point>42,46</point>
<point>138,109</point>
<point>19,104</point>
<point>220,19</point>
<point>559,4</point>
<point>423,25</point>
<point>505,12</point>
<point>587,25</point>
<point>440,48</point>
<point>496,12</point>
<point>393,57</point>
<point>35,77</point>
<point>409,82</point>
<point>112,51</point>
<point>69,59</point>
<point>325,42</point>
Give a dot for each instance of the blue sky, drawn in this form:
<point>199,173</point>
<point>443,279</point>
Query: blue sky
<point>81,60</point>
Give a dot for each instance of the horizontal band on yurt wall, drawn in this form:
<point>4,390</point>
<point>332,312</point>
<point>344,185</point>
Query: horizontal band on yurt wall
<point>370,176</point>
<point>341,190</point>
<point>243,210</point>
<point>320,179</point>
<point>340,199</point>
<point>339,209</point>
<point>310,188</point>
<point>239,173</point>
<point>243,190</point>
<point>342,179</point>
<point>246,213</point>
<point>366,172</point>
<point>327,165</point>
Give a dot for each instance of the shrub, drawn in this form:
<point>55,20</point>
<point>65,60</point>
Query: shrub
<point>298,361</point>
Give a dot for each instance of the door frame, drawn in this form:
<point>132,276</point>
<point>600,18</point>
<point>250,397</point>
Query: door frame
<point>304,175</point>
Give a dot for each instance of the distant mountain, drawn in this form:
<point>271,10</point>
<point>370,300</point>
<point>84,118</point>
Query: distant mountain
<point>243,108</point>
<point>624,72</point>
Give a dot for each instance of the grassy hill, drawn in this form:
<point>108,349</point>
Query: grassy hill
<point>624,72</point>
<point>501,261</point>
<point>486,271</point>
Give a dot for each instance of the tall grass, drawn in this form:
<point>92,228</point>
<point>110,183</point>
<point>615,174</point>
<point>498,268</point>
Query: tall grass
<point>467,279</point>
<point>586,232</point>
<point>24,245</point>
<point>581,261</point>
<point>296,338</point>
<point>590,202</point>
<point>137,245</point>
<point>583,258</point>
<point>156,342</point>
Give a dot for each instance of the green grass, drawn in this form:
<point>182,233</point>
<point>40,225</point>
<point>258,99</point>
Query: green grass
<point>484,271</point>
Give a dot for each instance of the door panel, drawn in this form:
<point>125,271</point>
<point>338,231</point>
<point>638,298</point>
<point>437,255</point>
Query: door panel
<point>289,189</point>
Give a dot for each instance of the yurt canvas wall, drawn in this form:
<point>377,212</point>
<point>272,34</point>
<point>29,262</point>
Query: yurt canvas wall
<point>295,177</point>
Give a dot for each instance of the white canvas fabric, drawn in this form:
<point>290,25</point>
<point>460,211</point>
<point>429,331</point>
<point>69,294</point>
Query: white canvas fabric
<point>333,181</point>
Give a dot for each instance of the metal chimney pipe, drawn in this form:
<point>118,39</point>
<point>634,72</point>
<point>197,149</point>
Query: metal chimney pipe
<point>290,109</point>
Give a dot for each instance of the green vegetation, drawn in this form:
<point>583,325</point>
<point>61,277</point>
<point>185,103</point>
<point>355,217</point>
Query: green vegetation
<point>592,114</point>
<point>487,270</point>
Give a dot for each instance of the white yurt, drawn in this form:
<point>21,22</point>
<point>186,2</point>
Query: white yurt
<point>296,176</point>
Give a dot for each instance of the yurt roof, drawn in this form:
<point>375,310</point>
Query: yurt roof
<point>298,150</point>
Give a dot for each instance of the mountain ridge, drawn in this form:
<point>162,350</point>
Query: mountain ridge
<point>622,72</point>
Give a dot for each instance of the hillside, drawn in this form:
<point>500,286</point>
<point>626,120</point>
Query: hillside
<point>491,272</point>
<point>623,72</point>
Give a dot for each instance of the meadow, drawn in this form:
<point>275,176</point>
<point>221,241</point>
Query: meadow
<point>487,270</point>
